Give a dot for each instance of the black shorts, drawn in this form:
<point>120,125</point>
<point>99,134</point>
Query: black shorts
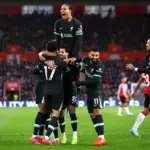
<point>69,96</point>
<point>53,101</point>
<point>95,101</point>
<point>123,99</point>
<point>147,101</point>
<point>39,92</point>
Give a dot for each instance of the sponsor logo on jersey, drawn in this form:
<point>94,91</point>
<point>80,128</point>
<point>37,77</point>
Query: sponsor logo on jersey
<point>66,35</point>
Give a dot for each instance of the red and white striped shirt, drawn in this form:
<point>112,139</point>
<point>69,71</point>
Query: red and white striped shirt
<point>146,78</point>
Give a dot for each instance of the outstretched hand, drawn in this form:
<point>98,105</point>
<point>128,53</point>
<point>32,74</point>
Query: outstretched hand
<point>130,66</point>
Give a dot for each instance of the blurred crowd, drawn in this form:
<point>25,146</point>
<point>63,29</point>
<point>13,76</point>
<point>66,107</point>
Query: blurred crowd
<point>114,70</point>
<point>29,31</point>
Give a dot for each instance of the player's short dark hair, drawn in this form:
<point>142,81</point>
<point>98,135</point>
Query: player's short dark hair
<point>69,6</point>
<point>66,48</point>
<point>44,43</point>
<point>93,50</point>
<point>50,45</point>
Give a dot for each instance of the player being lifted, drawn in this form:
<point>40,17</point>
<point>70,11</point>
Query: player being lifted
<point>94,70</point>
<point>123,96</point>
<point>68,31</point>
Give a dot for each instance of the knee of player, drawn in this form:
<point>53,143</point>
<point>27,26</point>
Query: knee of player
<point>62,113</point>
<point>97,111</point>
<point>146,111</point>
<point>92,115</point>
<point>71,109</point>
<point>41,108</point>
<point>55,113</point>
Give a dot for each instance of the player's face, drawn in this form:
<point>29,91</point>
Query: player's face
<point>62,53</point>
<point>65,11</point>
<point>148,44</point>
<point>124,80</point>
<point>94,56</point>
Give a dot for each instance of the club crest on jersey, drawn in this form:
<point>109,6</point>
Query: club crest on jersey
<point>99,70</point>
<point>92,70</point>
<point>71,28</point>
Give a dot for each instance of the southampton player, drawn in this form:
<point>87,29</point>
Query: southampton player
<point>94,70</point>
<point>123,96</point>
<point>145,78</point>
<point>68,32</point>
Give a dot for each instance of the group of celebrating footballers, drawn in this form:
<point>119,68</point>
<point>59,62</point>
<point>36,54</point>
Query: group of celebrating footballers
<point>59,69</point>
<point>58,73</point>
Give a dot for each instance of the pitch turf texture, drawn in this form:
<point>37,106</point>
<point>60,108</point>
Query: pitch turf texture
<point>16,125</point>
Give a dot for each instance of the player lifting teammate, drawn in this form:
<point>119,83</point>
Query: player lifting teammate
<point>123,96</point>
<point>70,93</point>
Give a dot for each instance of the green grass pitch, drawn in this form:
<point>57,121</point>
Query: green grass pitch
<point>16,126</point>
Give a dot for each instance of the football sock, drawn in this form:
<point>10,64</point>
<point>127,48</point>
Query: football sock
<point>56,131</point>
<point>62,124</point>
<point>51,126</point>
<point>99,125</point>
<point>140,118</point>
<point>38,122</point>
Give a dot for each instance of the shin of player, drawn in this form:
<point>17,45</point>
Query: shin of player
<point>140,118</point>
<point>123,95</point>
